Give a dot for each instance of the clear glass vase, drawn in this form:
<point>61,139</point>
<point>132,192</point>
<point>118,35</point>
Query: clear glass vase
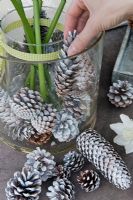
<point>69,94</point>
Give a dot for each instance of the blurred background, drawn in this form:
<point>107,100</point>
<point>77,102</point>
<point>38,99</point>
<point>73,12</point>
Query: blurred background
<point>6,5</point>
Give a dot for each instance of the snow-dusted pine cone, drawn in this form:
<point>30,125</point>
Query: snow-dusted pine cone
<point>102,154</point>
<point>57,35</point>
<point>121,94</point>
<point>43,162</point>
<point>79,106</point>
<point>26,103</point>
<point>40,139</point>
<point>67,68</point>
<point>25,185</point>
<point>89,180</point>
<point>45,120</point>
<point>61,189</point>
<point>73,161</point>
<point>66,127</point>
<point>62,172</point>
<point>86,77</point>
<point>6,115</point>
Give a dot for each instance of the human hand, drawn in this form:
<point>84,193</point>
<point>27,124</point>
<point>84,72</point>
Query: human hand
<point>89,17</point>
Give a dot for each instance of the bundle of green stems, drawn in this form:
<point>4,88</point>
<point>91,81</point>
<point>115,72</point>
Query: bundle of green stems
<point>33,37</point>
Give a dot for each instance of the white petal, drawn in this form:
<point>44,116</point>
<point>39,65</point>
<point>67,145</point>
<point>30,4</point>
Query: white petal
<point>125,118</point>
<point>120,141</point>
<point>129,148</point>
<point>118,128</point>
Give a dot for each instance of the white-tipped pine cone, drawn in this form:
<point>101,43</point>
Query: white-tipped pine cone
<point>45,120</point>
<point>67,69</point>
<point>6,114</point>
<point>121,94</point>
<point>66,127</point>
<point>61,189</point>
<point>26,103</point>
<point>43,162</point>
<point>86,76</point>
<point>89,180</point>
<point>78,106</point>
<point>102,154</point>
<point>73,161</point>
<point>62,172</point>
<point>25,185</point>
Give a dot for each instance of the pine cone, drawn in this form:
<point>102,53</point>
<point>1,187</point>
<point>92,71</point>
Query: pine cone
<point>86,76</point>
<point>6,115</point>
<point>43,162</point>
<point>26,104</point>
<point>121,94</point>
<point>73,161</point>
<point>57,35</point>
<point>79,106</point>
<point>66,127</point>
<point>67,69</point>
<point>102,154</point>
<point>61,189</point>
<point>62,172</point>
<point>25,185</point>
<point>45,120</point>
<point>40,139</point>
<point>89,180</point>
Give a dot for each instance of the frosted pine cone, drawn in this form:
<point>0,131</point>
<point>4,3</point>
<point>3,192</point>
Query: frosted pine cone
<point>66,127</point>
<point>43,162</point>
<point>73,161</point>
<point>40,139</point>
<point>86,77</point>
<point>25,185</point>
<point>79,106</point>
<point>26,104</point>
<point>89,180</point>
<point>121,94</point>
<point>62,172</point>
<point>102,154</point>
<point>61,189</point>
<point>45,120</point>
<point>67,68</point>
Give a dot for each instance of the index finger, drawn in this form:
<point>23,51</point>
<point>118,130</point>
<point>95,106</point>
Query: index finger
<point>72,17</point>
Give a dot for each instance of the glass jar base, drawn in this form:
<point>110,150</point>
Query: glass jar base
<point>60,149</point>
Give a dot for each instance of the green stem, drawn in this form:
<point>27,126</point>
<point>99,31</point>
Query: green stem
<point>29,36</point>
<point>54,21</point>
<point>43,86</point>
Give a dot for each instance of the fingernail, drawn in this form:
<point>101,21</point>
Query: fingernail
<point>72,50</point>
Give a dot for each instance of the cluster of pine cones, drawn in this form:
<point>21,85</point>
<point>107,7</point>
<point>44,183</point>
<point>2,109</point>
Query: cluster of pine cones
<point>27,117</point>
<point>41,166</point>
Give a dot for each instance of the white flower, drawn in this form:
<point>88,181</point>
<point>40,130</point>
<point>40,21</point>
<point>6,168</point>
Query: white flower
<point>124,133</point>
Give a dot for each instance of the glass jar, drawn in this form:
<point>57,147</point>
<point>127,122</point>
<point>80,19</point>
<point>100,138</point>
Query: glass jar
<point>69,87</point>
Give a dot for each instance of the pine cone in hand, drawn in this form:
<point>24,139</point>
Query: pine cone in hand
<point>67,69</point>
<point>26,104</point>
<point>73,161</point>
<point>121,94</point>
<point>102,154</point>
<point>66,127</point>
<point>43,162</point>
<point>25,185</point>
<point>89,180</point>
<point>61,189</point>
<point>45,120</point>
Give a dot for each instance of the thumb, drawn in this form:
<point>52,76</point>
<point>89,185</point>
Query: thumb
<point>84,38</point>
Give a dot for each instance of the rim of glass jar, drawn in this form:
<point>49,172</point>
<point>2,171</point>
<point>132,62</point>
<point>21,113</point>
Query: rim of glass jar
<point>16,60</point>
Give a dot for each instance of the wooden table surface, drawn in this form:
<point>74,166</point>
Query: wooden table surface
<point>11,161</point>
